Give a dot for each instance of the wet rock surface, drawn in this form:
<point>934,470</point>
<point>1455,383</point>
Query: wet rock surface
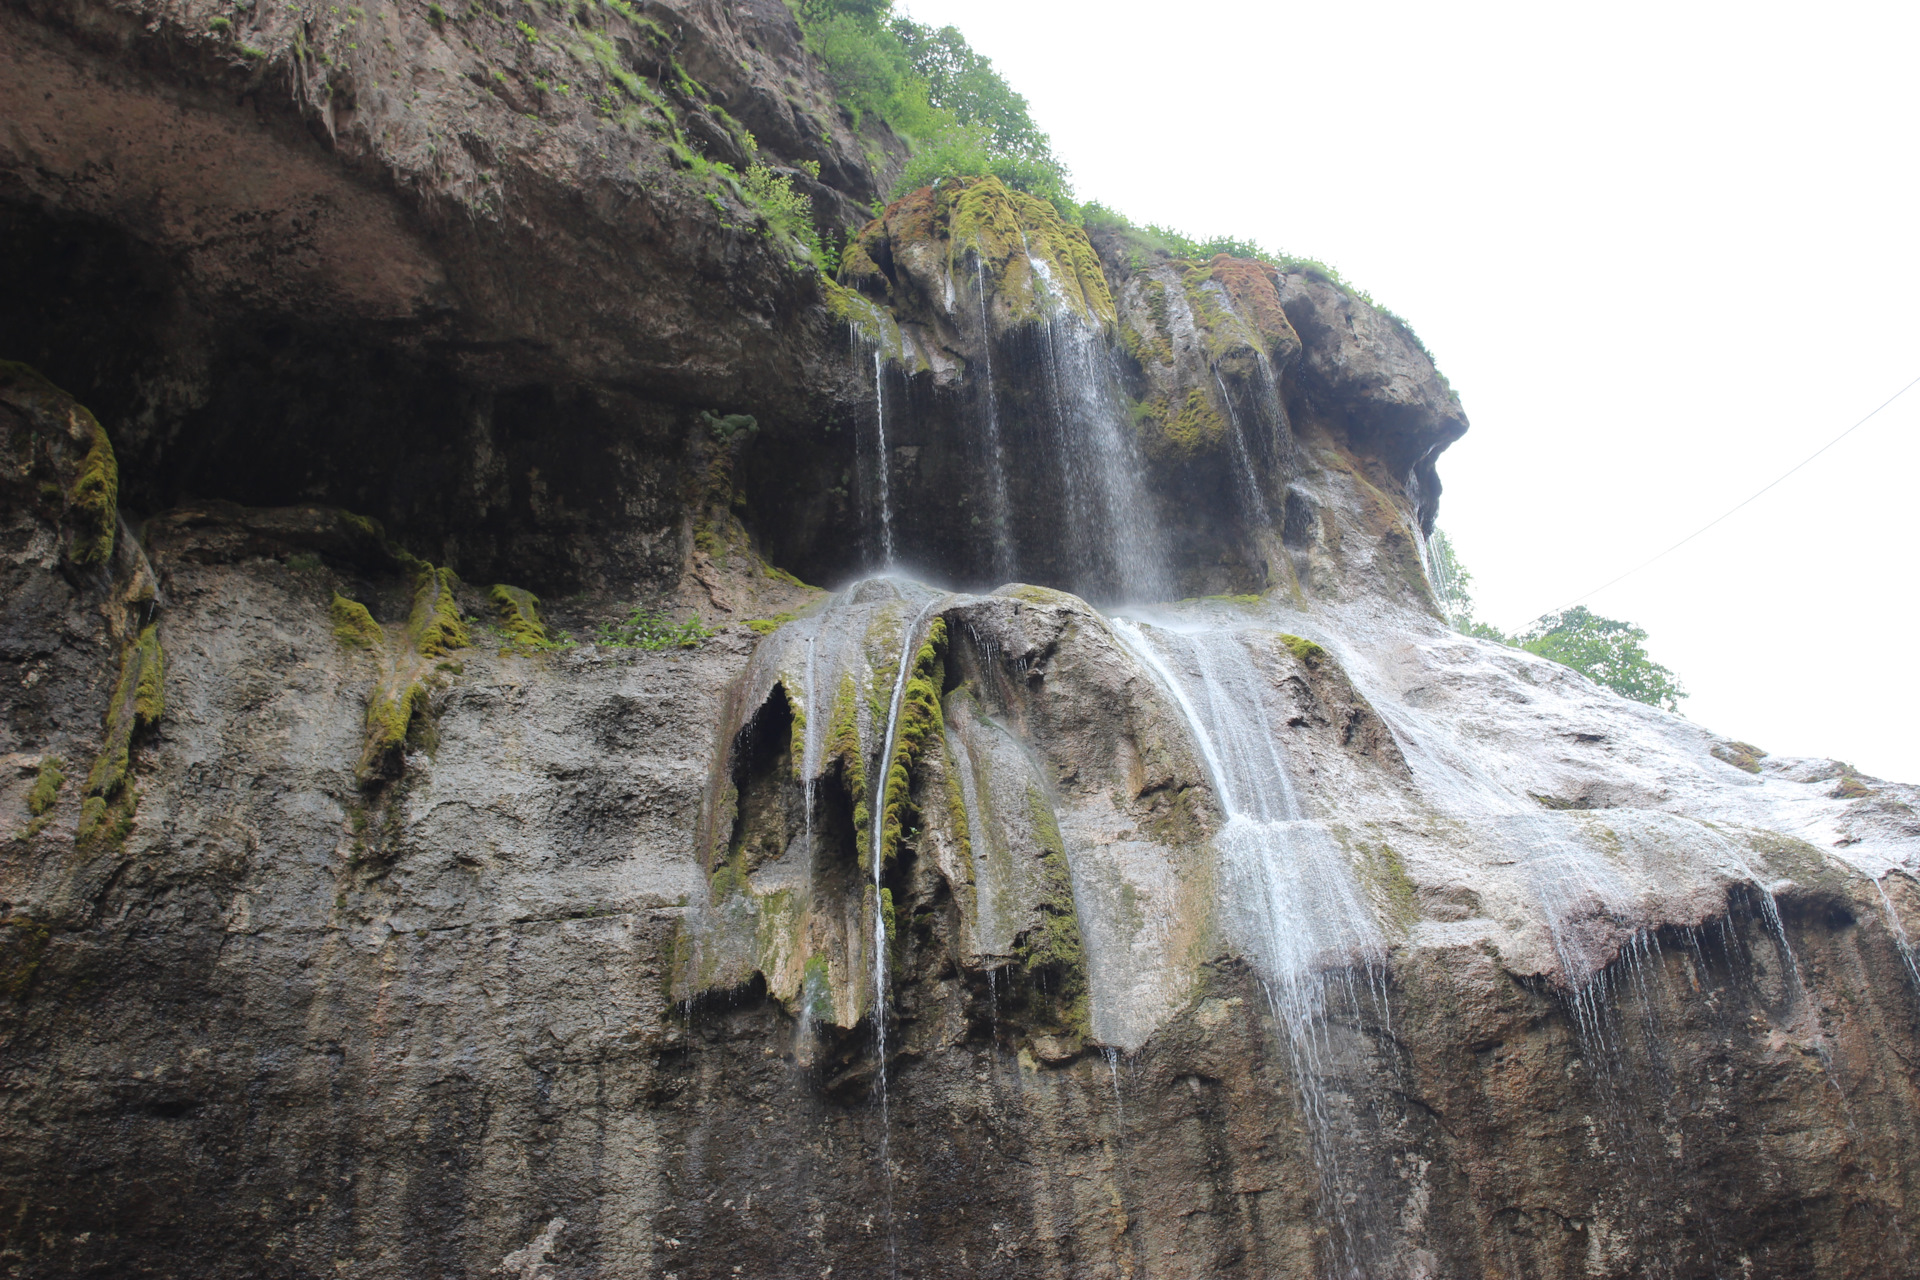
<point>365,917</point>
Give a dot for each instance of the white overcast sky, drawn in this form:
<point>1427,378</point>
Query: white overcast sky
<point>1663,251</point>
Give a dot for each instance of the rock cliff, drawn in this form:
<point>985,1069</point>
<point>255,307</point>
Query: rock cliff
<point>1138,880</point>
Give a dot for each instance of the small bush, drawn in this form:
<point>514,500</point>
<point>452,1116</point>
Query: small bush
<point>652,630</point>
<point>787,211</point>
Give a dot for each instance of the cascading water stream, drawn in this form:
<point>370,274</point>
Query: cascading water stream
<point>999,509</point>
<point>880,434</point>
<point>1290,892</point>
<point>1108,518</point>
<point>909,643</point>
<point>1249,483</point>
<point>1899,933</point>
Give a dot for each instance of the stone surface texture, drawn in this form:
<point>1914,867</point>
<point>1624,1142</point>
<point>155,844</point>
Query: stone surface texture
<point>345,932</point>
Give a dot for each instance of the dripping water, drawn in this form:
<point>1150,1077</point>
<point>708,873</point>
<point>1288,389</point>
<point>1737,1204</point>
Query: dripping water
<point>881,468</point>
<point>1249,483</point>
<point>999,511</point>
<point>1296,901</point>
<point>908,645</point>
<point>1899,932</point>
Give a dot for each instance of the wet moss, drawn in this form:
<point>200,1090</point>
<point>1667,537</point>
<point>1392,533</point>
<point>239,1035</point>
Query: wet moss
<point>816,988</point>
<point>47,784</point>
<point>1010,230</point>
<point>95,495</point>
<point>139,700</point>
<point>23,946</point>
<point>435,626</point>
<point>1393,888</point>
<point>921,723</point>
<point>390,715</point>
<point>1741,755</point>
<point>1053,945</point>
<point>875,323</point>
<point>353,626</point>
<point>1196,426</point>
<point>519,611</point>
<point>1304,649</point>
<point>767,626</point>
<point>843,744</point>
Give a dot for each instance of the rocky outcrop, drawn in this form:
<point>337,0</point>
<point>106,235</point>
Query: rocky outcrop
<point>398,879</point>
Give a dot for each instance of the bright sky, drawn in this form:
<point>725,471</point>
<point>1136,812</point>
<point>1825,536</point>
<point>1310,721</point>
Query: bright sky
<point>1663,251</point>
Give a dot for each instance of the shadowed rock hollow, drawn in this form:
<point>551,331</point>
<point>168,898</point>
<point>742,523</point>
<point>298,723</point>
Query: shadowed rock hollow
<point>376,905</point>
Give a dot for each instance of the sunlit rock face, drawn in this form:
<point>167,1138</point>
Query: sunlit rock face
<point>1121,871</point>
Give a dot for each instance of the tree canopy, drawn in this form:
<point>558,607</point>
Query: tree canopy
<point>959,115</point>
<point>1605,650</point>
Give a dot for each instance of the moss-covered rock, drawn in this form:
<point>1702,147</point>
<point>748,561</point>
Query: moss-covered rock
<point>519,611</point>
<point>353,626</point>
<point>69,460</point>
<point>435,626</point>
<point>139,700</point>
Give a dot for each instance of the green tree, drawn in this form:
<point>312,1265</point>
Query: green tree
<point>1607,651</point>
<point>958,115</point>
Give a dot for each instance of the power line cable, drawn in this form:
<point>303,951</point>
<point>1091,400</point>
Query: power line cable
<point>1730,510</point>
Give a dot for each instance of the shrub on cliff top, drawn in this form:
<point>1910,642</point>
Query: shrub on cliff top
<point>959,115</point>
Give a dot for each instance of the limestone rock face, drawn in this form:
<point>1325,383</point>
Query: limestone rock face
<point>398,879</point>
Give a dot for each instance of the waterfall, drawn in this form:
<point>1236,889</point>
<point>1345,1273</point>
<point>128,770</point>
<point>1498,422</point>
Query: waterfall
<point>909,644</point>
<point>999,510</point>
<point>880,458</point>
<point>1288,890</point>
<point>1257,514</point>
<point>1115,540</point>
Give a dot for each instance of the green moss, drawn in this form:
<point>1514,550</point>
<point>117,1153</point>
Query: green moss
<point>1387,874</point>
<point>435,626</point>
<point>886,912</point>
<point>23,946</point>
<point>1741,755</point>
<point>390,714</point>
<point>781,575</point>
<point>1054,943</point>
<point>1304,649</point>
<point>1195,427</point>
<point>875,323</point>
<point>139,700</point>
<point>95,495</point>
<point>1010,230</point>
<point>843,744</point>
<point>520,616</point>
<point>46,786</point>
<point>920,724</point>
<point>767,626</point>
<point>816,988</point>
<point>353,626</point>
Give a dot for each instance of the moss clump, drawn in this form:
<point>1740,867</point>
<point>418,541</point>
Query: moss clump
<point>1054,944</point>
<point>1304,649</point>
<point>1384,870</point>
<point>1012,230</point>
<point>45,794</point>
<point>781,575</point>
<point>139,700</point>
<point>46,786</point>
<point>520,616</point>
<point>23,946</point>
<point>353,626</point>
<point>1741,755</point>
<point>767,626</point>
<point>920,722</point>
<point>843,744</point>
<point>390,714</point>
<point>95,495</point>
<point>875,323</point>
<point>1195,427</point>
<point>1850,786</point>
<point>435,626</point>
